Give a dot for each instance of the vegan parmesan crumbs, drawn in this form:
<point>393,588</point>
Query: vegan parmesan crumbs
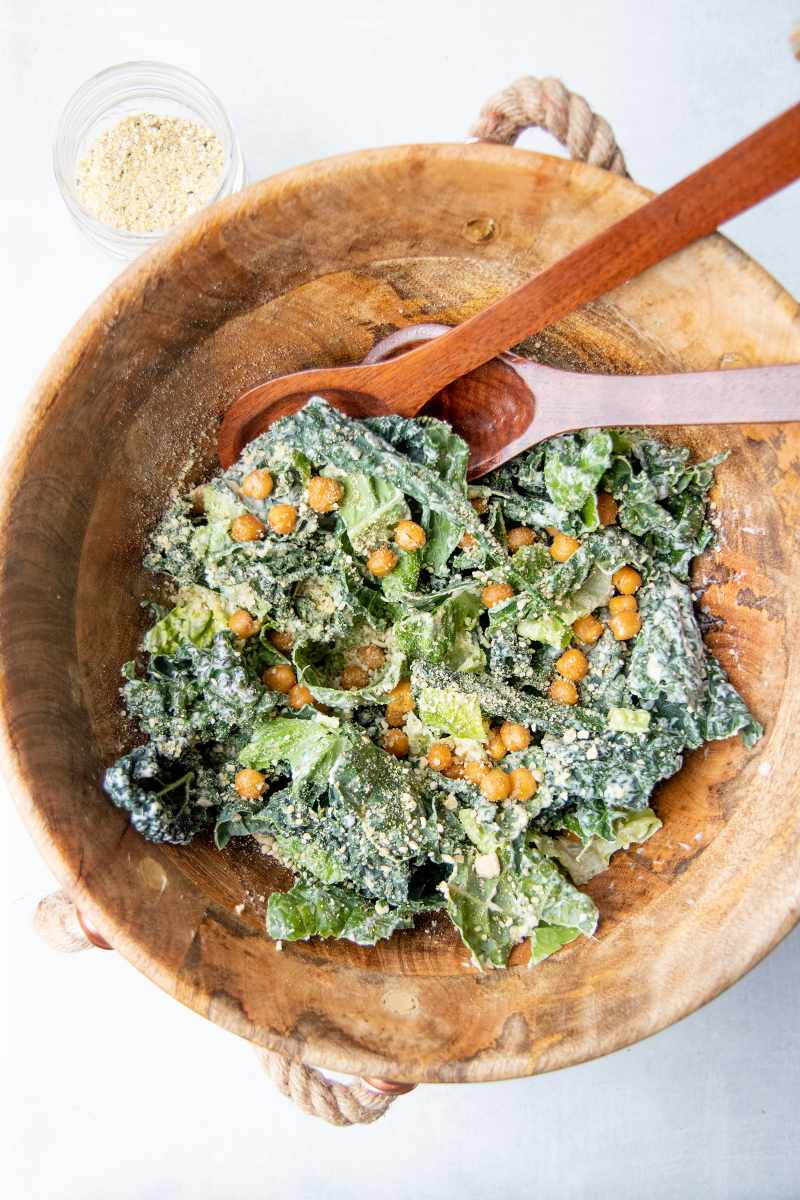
<point>148,172</point>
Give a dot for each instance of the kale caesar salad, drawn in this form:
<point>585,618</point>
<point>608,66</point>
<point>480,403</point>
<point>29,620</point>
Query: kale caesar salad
<point>419,693</point>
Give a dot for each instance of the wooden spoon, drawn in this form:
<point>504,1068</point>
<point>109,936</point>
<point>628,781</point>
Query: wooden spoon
<point>512,404</point>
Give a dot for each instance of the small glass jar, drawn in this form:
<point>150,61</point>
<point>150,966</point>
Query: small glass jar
<point>123,91</point>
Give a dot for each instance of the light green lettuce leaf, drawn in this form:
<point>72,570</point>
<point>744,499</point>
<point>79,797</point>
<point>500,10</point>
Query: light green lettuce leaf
<point>547,939</point>
<point>573,467</point>
<point>198,615</point>
<point>450,711</point>
<point>584,861</point>
<point>629,720</point>
<point>370,509</point>
<point>549,629</point>
<point>310,909</point>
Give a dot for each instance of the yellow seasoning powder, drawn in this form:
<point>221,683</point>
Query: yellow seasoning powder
<point>148,172</point>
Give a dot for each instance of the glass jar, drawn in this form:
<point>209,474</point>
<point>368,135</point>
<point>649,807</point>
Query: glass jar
<point>123,91</point>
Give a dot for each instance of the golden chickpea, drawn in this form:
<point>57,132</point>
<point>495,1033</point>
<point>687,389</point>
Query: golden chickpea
<point>626,581</point>
<point>563,547</point>
<point>455,770</point>
<point>607,508</point>
<point>247,528</point>
<point>242,624</point>
<point>250,784</point>
<point>519,536</point>
<point>573,664</point>
<point>551,530</point>
<point>588,629</point>
<point>408,535</point>
<point>480,504</point>
<point>468,543</point>
<point>496,785</point>
<point>523,785</point>
<point>373,657</point>
<point>354,677</point>
<point>515,736</point>
<point>395,714</point>
<point>495,746</point>
<point>563,691</point>
<point>475,771</point>
<point>440,756</point>
<point>300,696</point>
<point>282,518</point>
<point>496,593</point>
<point>402,696</point>
<point>323,493</point>
<point>395,742</point>
<point>258,484</point>
<point>625,625</point>
<point>280,678</point>
<point>381,562</point>
<point>620,604</point>
<point>282,640</point>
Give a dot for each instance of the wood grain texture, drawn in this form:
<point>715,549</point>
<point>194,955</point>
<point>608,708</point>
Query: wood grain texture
<point>309,269</point>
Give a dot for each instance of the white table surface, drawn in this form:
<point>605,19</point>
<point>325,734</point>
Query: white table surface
<point>114,1090</point>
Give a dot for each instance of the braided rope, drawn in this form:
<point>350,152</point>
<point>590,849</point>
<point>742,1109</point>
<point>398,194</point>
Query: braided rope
<point>548,104</point>
<point>337,1103</point>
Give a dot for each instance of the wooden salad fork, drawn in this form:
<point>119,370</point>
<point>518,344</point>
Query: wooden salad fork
<point>511,403</point>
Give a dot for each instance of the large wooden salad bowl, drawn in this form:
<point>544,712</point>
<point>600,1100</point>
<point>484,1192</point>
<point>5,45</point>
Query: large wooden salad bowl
<point>307,269</point>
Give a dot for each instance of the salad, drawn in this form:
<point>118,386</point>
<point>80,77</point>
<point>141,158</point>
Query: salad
<point>421,694</point>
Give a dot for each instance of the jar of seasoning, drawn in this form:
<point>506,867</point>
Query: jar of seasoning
<point>139,147</point>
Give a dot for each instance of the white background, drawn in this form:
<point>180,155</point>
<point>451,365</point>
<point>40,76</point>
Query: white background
<point>114,1090</point>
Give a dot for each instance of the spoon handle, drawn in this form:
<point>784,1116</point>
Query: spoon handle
<point>750,171</point>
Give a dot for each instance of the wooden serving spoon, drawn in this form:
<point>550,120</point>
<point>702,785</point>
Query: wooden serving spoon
<point>511,403</point>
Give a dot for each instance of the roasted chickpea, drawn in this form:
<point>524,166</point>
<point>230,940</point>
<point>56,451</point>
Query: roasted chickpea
<point>563,547</point>
<point>495,746</point>
<point>395,742</point>
<point>250,784</point>
<point>523,785</point>
<point>475,771</point>
<point>625,625</point>
<point>373,657</point>
<point>551,530</point>
<point>468,543</point>
<point>258,484</point>
<point>402,695</point>
<point>563,691</point>
<point>282,640</point>
<point>519,536</point>
<point>299,696</point>
<point>515,736</point>
<point>282,518</point>
<point>323,493</point>
<point>620,604</point>
<point>440,756</point>
<point>408,535</point>
<point>242,624</point>
<point>395,714</point>
<point>354,677</point>
<point>607,508</point>
<point>480,504</point>
<point>496,593</point>
<point>381,562</point>
<point>573,665</point>
<point>455,770</point>
<point>496,785</point>
<point>247,528</point>
<point>280,678</point>
<point>626,581</point>
<point>588,629</point>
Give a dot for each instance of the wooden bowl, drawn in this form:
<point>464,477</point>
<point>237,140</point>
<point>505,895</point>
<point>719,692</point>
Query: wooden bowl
<point>306,269</point>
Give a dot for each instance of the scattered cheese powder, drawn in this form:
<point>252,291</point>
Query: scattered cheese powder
<point>148,172</point>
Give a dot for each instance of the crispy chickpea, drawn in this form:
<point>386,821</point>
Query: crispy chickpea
<point>563,691</point>
<point>323,493</point>
<point>573,665</point>
<point>282,518</point>
<point>625,625</point>
<point>395,742</point>
<point>373,657</point>
<point>381,562</point>
<point>280,678</point>
<point>519,536</point>
<point>402,696</point>
<point>242,624</point>
<point>468,543</point>
<point>395,714</point>
<point>626,581</point>
<point>495,746</point>
<point>620,604</point>
<point>588,629</point>
<point>247,528</point>
<point>250,784</point>
<point>408,535</point>
<point>607,508</point>
<point>282,640</point>
<point>515,736</point>
<point>496,593</point>
<point>258,484</point>
<point>299,696</point>
<point>523,785</point>
<point>440,756</point>
<point>354,677</point>
<point>496,785</point>
<point>455,770</point>
<point>480,504</point>
<point>551,530</point>
<point>475,771</point>
<point>563,547</point>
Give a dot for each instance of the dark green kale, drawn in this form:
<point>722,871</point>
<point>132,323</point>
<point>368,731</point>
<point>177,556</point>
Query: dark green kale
<point>168,800</point>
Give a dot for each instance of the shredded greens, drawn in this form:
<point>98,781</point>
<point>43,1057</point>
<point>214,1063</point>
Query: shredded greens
<point>350,718</point>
